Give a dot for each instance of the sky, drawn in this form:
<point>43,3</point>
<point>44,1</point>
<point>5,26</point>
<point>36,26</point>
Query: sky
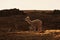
<point>30,4</point>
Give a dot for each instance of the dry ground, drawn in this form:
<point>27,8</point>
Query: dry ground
<point>30,35</point>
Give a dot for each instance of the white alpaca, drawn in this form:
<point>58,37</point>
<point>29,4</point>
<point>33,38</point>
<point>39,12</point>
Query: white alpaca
<point>35,24</point>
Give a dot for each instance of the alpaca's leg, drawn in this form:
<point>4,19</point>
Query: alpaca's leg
<point>30,28</point>
<point>39,28</point>
<point>34,28</point>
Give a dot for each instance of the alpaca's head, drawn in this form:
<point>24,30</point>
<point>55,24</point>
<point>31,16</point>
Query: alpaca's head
<point>27,18</point>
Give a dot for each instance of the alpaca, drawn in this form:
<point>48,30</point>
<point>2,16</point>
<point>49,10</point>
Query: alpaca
<point>36,25</point>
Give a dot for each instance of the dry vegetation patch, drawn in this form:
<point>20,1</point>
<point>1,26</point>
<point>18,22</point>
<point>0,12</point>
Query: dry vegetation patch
<point>30,35</point>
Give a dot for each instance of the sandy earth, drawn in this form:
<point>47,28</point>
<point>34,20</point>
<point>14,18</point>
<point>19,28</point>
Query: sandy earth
<point>30,35</point>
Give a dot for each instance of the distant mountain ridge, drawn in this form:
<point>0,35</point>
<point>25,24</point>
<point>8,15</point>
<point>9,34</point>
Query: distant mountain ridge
<point>10,12</point>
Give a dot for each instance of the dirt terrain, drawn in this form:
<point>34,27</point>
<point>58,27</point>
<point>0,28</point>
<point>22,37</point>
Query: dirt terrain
<point>30,35</point>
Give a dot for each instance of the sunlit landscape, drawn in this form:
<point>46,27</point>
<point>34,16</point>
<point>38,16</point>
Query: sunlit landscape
<point>18,24</point>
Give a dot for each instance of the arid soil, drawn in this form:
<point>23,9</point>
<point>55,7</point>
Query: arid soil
<point>30,35</point>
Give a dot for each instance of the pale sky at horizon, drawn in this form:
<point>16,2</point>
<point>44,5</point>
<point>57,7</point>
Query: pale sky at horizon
<point>30,4</point>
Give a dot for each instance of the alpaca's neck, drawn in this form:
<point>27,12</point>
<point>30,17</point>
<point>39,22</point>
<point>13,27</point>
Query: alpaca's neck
<point>29,21</point>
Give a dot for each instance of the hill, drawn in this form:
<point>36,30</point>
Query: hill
<point>13,19</point>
